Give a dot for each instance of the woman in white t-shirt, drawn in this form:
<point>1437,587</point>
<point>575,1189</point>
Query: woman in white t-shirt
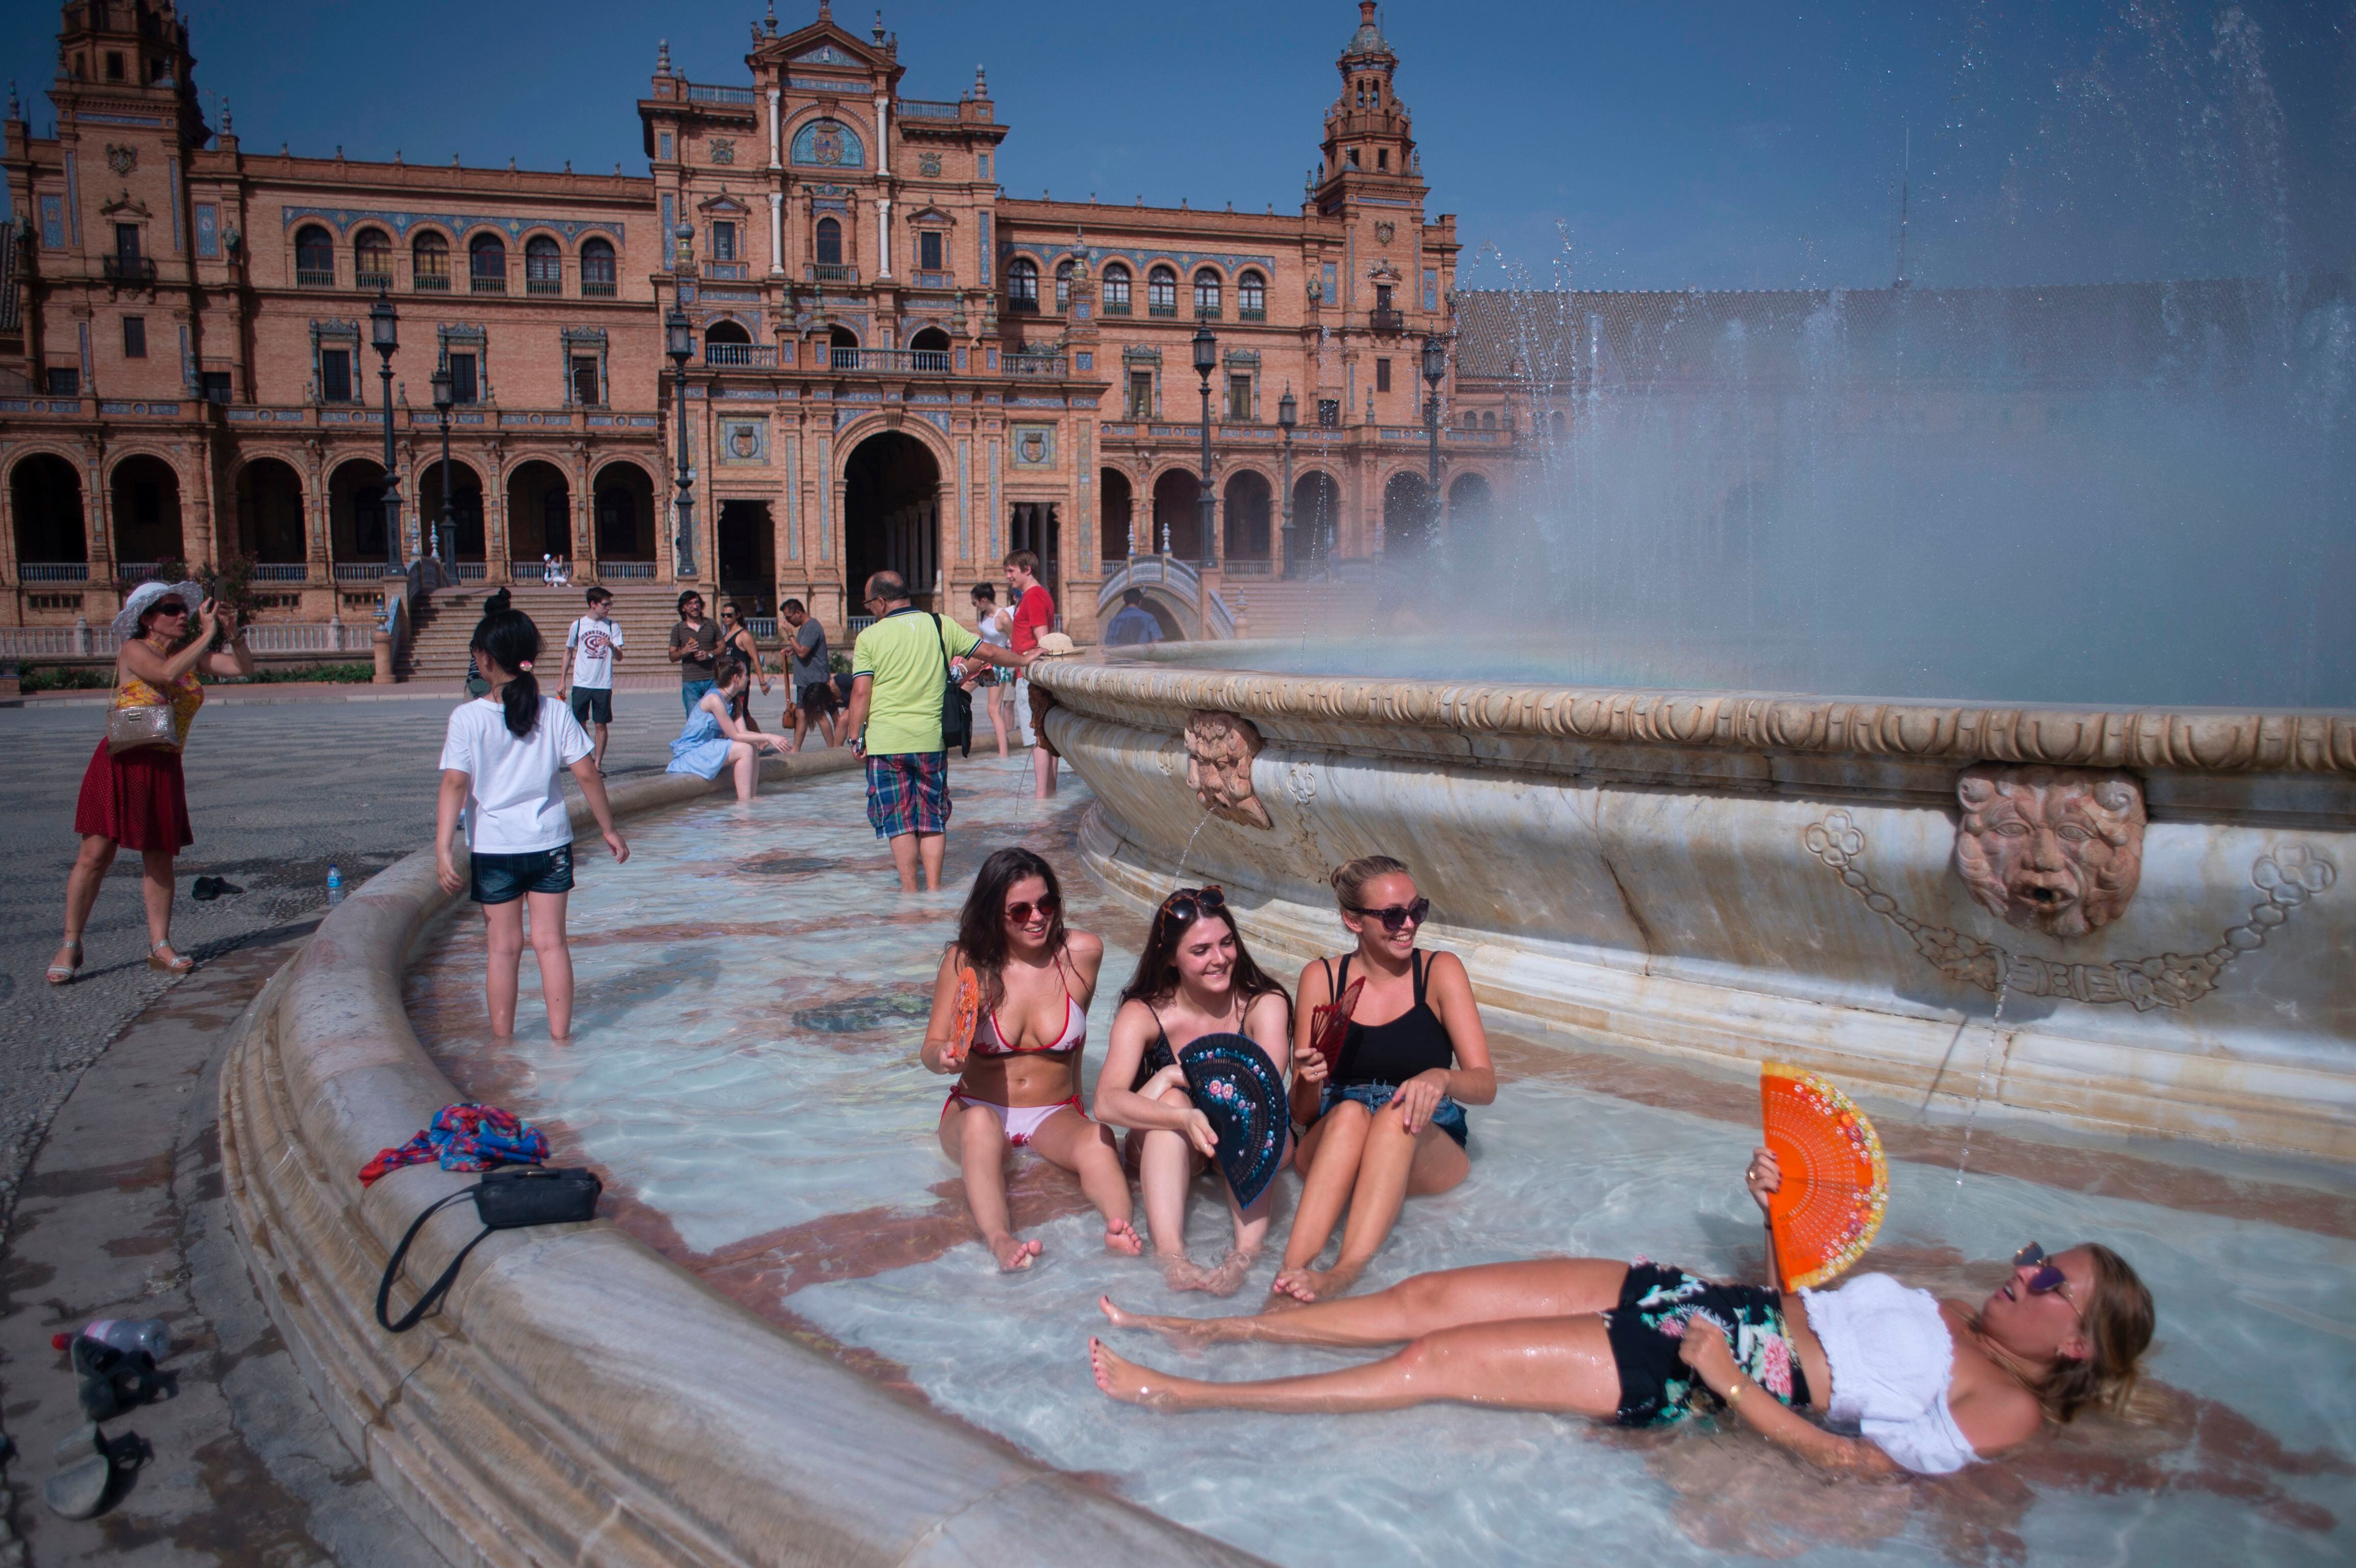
<point>503,764</point>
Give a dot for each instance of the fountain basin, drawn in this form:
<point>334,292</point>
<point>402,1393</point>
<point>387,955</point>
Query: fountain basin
<point>1745,875</point>
<point>577,1398</point>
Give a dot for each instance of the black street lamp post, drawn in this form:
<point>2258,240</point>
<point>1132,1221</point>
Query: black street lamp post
<point>384,336</point>
<point>1207,359</point>
<point>680,343</point>
<point>446,535</point>
<point>1435,368</point>
<point>1288,413</point>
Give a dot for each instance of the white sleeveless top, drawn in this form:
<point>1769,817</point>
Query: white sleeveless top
<point>1891,1356</point>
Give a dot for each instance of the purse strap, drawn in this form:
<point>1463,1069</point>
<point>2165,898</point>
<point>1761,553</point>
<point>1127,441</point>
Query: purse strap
<point>440,1287</point>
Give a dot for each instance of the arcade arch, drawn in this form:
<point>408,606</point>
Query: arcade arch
<point>1316,516</point>
<point>146,496</point>
<point>891,515</point>
<point>270,512</point>
<point>45,502</point>
<point>356,530</point>
<point>1409,516</point>
<point>1177,512</point>
<point>1116,508</point>
<point>540,511</point>
<point>625,512</point>
<point>1248,537</point>
<point>466,507</point>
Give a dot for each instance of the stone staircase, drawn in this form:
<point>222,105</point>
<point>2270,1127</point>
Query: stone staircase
<point>1274,608</point>
<point>443,624</point>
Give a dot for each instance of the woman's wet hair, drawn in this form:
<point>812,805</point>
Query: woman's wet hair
<point>981,925</point>
<point>1350,878</point>
<point>508,639</point>
<point>1157,967</point>
<point>2118,1324</point>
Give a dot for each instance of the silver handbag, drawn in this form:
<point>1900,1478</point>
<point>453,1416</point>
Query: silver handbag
<point>130,729</point>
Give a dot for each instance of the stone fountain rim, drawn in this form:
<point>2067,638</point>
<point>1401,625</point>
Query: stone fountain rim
<point>2195,740</point>
<point>578,1398</point>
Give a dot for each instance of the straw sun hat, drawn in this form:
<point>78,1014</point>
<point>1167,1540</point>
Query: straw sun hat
<point>144,597</point>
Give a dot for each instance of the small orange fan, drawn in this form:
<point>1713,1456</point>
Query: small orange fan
<point>969,1010</point>
<point>1835,1182</point>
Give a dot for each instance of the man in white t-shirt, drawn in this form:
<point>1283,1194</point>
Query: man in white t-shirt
<point>591,647</point>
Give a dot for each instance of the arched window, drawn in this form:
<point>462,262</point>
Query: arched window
<point>314,258</point>
<point>1064,285</point>
<point>371,259</point>
<point>932,347</point>
<point>829,243</point>
<point>597,272</point>
<point>1489,419</point>
<point>487,264</point>
<point>1471,419</point>
<point>1023,286</point>
<point>1554,422</point>
<point>1206,293</point>
<point>429,263</point>
<point>1251,297</point>
<point>1116,290</point>
<point>1162,292</point>
<point>543,266</point>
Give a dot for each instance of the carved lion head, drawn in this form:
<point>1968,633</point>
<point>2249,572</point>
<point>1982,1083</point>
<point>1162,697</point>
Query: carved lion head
<point>1219,751</point>
<point>2051,849</point>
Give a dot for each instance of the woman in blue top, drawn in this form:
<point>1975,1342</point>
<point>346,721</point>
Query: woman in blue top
<point>714,739</point>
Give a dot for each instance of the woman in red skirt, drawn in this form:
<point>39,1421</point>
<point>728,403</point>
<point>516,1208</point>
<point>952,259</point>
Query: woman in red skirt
<point>137,799</point>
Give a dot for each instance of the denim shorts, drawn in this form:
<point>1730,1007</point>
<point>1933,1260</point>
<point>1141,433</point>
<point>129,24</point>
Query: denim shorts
<point>1448,1115</point>
<point>503,878</point>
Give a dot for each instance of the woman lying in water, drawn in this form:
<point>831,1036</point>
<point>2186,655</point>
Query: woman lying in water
<point>1194,978</point>
<point>1386,1118</point>
<point>1932,1386</point>
<point>1019,1078</point>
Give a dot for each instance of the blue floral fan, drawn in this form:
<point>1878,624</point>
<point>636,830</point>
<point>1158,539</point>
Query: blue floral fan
<point>1239,1091</point>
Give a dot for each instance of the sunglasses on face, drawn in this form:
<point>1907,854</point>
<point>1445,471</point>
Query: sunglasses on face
<point>1192,903</point>
<point>2049,1280</point>
<point>180,609</point>
<point>1020,914</point>
<point>1396,917</point>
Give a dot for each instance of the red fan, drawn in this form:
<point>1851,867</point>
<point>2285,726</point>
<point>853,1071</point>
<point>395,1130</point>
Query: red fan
<point>968,1011</point>
<point>1835,1182</point>
<point>1329,1023</point>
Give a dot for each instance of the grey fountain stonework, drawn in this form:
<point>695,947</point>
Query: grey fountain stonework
<point>1854,886</point>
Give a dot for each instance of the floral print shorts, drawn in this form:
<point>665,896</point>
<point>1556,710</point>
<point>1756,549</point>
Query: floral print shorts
<point>1656,1303</point>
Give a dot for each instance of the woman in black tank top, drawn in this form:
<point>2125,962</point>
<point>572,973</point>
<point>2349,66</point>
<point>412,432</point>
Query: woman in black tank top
<point>1385,1118</point>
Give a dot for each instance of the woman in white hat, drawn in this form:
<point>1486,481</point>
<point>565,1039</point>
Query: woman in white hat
<point>132,792</point>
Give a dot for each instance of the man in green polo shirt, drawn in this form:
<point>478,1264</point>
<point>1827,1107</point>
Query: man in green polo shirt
<point>900,668</point>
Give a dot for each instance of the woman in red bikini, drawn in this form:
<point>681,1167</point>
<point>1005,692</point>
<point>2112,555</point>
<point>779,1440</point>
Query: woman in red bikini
<point>1019,1078</point>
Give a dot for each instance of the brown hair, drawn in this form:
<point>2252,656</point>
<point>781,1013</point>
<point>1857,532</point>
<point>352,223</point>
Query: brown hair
<point>981,925</point>
<point>1350,878</point>
<point>725,668</point>
<point>1157,966</point>
<point>2118,1326</point>
<point>1028,560</point>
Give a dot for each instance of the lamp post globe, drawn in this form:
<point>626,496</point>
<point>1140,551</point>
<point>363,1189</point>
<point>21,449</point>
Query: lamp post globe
<point>384,325</point>
<point>1288,414</point>
<point>1207,359</point>
<point>678,342</point>
<point>1435,358</point>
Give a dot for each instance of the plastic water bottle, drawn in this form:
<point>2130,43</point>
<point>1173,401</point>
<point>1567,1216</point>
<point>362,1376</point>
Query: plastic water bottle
<point>335,886</point>
<point>125,1334</point>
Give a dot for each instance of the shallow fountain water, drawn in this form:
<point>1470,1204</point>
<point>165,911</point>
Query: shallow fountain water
<point>743,1073</point>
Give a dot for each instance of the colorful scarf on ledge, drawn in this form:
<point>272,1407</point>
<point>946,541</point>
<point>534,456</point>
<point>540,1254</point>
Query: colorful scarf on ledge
<point>466,1137</point>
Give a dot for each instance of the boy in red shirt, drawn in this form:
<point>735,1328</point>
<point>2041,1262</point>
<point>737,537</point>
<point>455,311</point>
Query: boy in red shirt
<point>1034,611</point>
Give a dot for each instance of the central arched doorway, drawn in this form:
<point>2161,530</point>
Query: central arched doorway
<point>52,544</point>
<point>891,516</point>
<point>1178,514</point>
<point>146,515</point>
<point>1409,517</point>
<point>540,515</point>
<point>270,512</point>
<point>1114,506</point>
<point>1316,519</point>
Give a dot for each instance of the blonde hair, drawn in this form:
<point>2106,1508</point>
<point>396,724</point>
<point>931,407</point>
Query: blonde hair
<point>2118,1324</point>
<point>1350,878</point>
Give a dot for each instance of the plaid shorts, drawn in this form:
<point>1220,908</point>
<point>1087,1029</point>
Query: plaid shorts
<point>908,792</point>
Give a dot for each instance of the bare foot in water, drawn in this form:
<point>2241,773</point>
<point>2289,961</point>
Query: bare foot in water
<point>1228,1277</point>
<point>1188,1333</point>
<point>1306,1285</point>
<point>1179,1272</point>
<point>1121,1236</point>
<point>1128,1382</point>
<point>1013,1255</point>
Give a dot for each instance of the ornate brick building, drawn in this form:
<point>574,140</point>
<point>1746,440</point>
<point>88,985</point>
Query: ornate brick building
<point>893,364</point>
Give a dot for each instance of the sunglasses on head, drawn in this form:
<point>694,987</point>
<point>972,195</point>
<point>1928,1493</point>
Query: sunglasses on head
<point>1020,914</point>
<point>2047,1280</point>
<point>1396,917</point>
<point>1192,903</point>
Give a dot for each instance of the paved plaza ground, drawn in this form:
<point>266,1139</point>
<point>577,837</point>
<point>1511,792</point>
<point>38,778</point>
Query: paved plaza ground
<point>122,1206</point>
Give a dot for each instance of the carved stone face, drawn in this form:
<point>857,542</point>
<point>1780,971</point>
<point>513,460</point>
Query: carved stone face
<point>1219,751</point>
<point>2051,849</point>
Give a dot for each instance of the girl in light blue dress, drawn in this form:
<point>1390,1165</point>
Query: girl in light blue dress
<point>713,740</point>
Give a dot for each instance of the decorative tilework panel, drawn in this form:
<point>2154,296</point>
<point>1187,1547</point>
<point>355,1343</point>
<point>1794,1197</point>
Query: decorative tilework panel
<point>343,218</point>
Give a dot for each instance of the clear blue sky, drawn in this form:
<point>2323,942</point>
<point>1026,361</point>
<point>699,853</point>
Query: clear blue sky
<point>1749,143</point>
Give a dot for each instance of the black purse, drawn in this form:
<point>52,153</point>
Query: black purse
<point>507,1198</point>
<point>957,703</point>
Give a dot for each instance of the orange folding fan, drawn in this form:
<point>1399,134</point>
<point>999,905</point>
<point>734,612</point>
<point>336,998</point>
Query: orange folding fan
<point>1835,1182</point>
<point>969,1010</point>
